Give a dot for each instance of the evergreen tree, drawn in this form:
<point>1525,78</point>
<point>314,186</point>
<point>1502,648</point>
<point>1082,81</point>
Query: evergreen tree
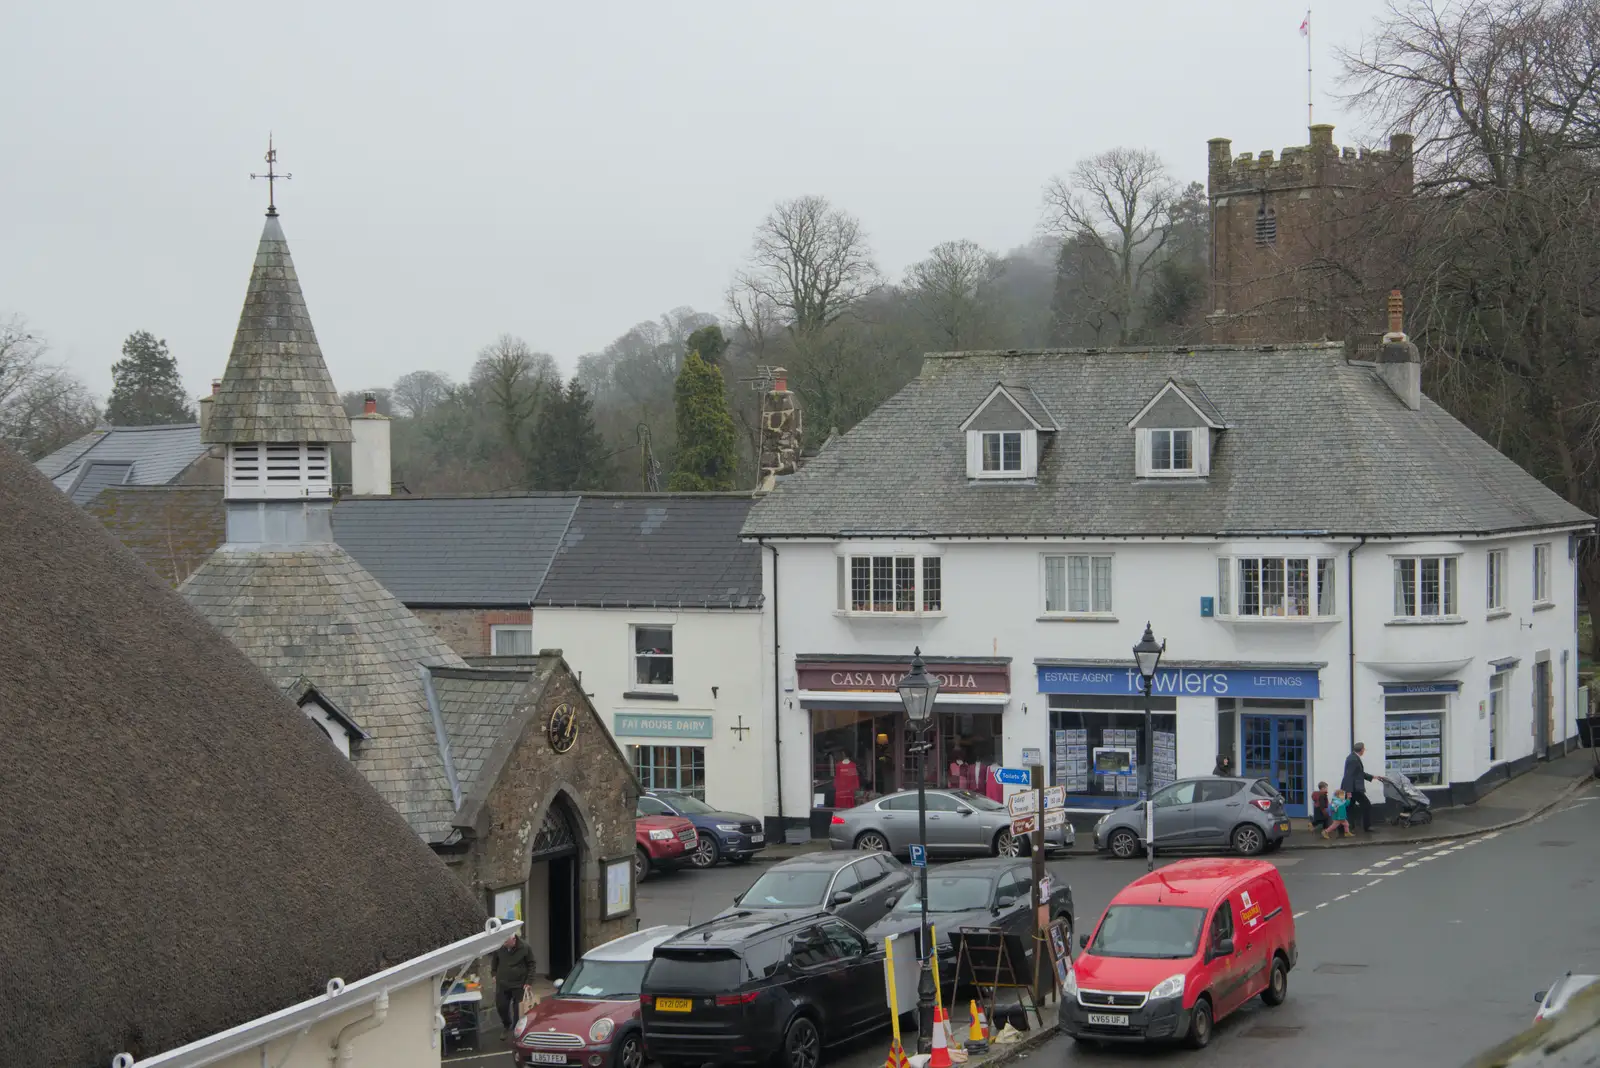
<point>568,451</point>
<point>146,389</point>
<point>709,343</point>
<point>708,448</point>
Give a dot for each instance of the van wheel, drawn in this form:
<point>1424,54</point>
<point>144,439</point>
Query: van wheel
<point>802,1045</point>
<point>1124,845</point>
<point>1199,1035</point>
<point>1278,985</point>
<point>1248,840</point>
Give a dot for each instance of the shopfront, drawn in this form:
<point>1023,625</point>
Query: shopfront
<point>861,745</point>
<point>1414,718</point>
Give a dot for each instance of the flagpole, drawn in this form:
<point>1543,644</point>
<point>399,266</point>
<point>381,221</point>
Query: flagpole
<point>1309,120</point>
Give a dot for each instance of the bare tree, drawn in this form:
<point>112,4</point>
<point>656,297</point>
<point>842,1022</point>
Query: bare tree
<point>42,406</point>
<point>952,289</point>
<point>514,381</point>
<point>418,392</point>
<point>809,263</point>
<point>1120,202</point>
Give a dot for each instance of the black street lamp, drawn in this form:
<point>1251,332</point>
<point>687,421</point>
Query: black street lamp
<point>917,692</point>
<point>1147,654</point>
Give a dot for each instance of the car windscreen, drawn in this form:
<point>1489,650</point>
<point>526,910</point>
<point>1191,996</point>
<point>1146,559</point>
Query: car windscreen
<point>693,971</point>
<point>688,804</point>
<point>605,979</point>
<point>949,893</point>
<point>977,801</point>
<point>1154,931</point>
<point>787,889</point>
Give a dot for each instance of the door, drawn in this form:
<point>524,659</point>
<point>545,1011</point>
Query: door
<point>868,999</point>
<point>848,880</point>
<point>1225,974</point>
<point>1174,814</point>
<point>876,887</point>
<point>1218,808</point>
<point>1250,938</point>
<point>1275,750</point>
<point>898,818</point>
<point>821,980</point>
<point>1541,710</point>
<point>945,823</point>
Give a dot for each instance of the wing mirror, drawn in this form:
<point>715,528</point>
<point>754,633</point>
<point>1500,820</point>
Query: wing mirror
<point>1221,948</point>
<point>1004,903</point>
<point>893,900</point>
<point>1083,941</point>
<point>557,983</point>
<point>964,811</point>
<point>842,897</point>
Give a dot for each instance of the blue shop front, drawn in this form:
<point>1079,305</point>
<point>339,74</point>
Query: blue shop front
<point>1258,715</point>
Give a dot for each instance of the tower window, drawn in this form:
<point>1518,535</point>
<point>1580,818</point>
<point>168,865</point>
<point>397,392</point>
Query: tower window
<point>1266,226</point>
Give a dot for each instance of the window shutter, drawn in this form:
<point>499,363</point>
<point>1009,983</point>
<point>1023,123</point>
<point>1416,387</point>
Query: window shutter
<point>1030,453</point>
<point>974,453</point>
<point>1202,451</point>
<point>1142,461</point>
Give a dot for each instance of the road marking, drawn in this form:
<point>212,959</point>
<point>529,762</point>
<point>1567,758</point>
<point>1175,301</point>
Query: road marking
<point>1381,863</point>
<point>1341,897</point>
<point>1375,882</point>
<point>1364,871</point>
<point>475,1057</point>
<point>1323,905</point>
<point>1412,863</point>
<point>1298,915</point>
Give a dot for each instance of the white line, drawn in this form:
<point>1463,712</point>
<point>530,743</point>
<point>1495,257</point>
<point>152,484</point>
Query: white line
<point>1364,871</point>
<point>1341,897</point>
<point>475,1057</point>
<point>1381,863</point>
<point>1412,863</point>
<point>1375,882</point>
<point>1298,915</point>
<point>1323,905</point>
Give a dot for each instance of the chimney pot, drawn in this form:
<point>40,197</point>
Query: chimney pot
<point>216,386</point>
<point>369,406</point>
<point>1397,316</point>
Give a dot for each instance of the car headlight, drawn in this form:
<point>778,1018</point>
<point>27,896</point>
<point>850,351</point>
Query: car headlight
<point>1167,988</point>
<point>726,827</point>
<point>522,1025</point>
<point>601,1029</point>
<point>662,836</point>
<point>1102,821</point>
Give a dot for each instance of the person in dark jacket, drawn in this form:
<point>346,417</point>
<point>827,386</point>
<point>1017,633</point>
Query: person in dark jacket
<point>1355,782</point>
<point>512,968</point>
<point>1224,766</point>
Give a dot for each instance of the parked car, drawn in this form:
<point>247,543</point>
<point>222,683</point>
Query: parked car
<point>721,833</point>
<point>858,886</point>
<point>743,987</point>
<point>959,821</point>
<point>662,842</point>
<point>973,893</point>
<point>1179,949</point>
<point>1561,991</point>
<point>593,1017</point>
<point>1245,815</point>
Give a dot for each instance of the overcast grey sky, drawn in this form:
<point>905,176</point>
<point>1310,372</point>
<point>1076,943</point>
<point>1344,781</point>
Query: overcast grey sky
<point>562,171</point>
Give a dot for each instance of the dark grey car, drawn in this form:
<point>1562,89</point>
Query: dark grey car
<point>858,885</point>
<point>1244,815</point>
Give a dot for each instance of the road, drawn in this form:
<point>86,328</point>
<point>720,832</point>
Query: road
<point>1425,954</point>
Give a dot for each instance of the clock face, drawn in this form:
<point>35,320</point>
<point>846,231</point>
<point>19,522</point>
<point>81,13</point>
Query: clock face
<point>562,729</point>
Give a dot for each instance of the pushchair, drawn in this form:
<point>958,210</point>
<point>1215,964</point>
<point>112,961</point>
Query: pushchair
<point>1411,805</point>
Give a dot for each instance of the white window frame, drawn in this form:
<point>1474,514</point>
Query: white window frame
<point>1171,470</point>
<point>1495,581</point>
<point>634,656</point>
<point>1199,452</point>
<point>927,571</point>
<point>498,629</point>
<point>1499,695</point>
<point>1542,556</point>
<point>1449,587</point>
<point>1091,561</point>
<point>1322,587</point>
<point>1028,468</point>
<point>1002,469</point>
<point>671,773</point>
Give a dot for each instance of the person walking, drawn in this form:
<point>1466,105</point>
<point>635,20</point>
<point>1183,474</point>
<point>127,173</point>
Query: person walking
<point>1224,766</point>
<point>1354,784</point>
<point>512,968</point>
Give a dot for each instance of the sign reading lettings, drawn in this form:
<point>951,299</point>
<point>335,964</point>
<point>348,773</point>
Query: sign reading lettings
<point>1291,683</point>
<point>643,725</point>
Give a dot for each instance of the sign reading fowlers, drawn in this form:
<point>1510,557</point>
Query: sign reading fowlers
<point>954,677</point>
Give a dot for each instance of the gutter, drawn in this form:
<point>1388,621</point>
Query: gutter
<point>441,737</point>
<point>340,998</point>
<point>1350,632</point>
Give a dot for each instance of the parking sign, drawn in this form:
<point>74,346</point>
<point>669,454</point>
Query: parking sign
<point>919,857</point>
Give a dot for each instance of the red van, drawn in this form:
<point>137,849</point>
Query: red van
<point>1180,949</point>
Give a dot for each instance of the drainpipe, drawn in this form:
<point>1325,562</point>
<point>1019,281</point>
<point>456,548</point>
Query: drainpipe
<point>342,1053</point>
<point>1350,623</point>
<point>777,688</point>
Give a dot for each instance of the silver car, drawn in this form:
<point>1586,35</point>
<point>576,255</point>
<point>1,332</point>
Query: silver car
<point>960,822</point>
<point>1245,815</point>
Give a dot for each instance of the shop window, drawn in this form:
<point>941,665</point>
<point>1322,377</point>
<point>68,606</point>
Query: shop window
<point>511,641</point>
<point>1277,587</point>
<point>1090,732</point>
<point>1499,684</point>
<point>652,656</point>
<point>859,756</point>
<point>1424,587</point>
<point>901,584</point>
<point>1077,585</point>
<point>1541,574</point>
<point>1495,594</point>
<point>670,767</point>
<point>1413,736</point>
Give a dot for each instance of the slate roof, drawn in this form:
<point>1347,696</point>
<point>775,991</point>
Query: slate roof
<point>655,551</point>
<point>123,455</point>
<point>185,851</point>
<point>1030,402</point>
<point>456,551</point>
<point>276,386</point>
<point>477,704</point>
<point>315,612</point>
<point>173,529</point>
<point>1315,443</point>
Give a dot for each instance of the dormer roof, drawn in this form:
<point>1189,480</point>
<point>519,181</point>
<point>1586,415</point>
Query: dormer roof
<point>1020,397</point>
<point>303,691</point>
<point>1183,390</point>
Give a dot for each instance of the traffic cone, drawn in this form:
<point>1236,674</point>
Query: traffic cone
<point>941,1050</point>
<point>897,1057</point>
<point>977,1034</point>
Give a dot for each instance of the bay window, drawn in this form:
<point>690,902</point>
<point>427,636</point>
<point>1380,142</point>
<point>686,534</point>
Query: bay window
<point>891,584</point>
<point>1277,587</point>
<point>1425,587</point>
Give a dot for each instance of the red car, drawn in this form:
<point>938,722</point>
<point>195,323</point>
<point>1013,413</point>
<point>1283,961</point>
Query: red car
<point>663,842</point>
<point>593,1018</point>
<point>1178,950</point>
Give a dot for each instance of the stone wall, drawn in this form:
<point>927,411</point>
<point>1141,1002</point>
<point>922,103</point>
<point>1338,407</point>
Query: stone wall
<point>466,630</point>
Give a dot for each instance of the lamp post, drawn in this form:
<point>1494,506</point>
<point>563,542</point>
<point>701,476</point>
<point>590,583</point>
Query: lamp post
<point>1147,654</point>
<point>917,691</point>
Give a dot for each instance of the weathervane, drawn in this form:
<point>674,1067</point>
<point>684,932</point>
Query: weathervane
<point>272,177</point>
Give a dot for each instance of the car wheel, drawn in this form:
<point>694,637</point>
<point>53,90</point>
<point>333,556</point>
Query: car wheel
<point>802,1045</point>
<point>1124,845</point>
<point>1278,985</point>
<point>641,865</point>
<point>1007,844</point>
<point>629,1052</point>
<point>1248,840</point>
<point>706,854</point>
<point>872,842</point>
<point>1199,1035</point>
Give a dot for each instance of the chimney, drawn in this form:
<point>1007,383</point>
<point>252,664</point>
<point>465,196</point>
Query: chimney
<point>369,452</point>
<point>1398,360</point>
<point>780,432</point>
<point>205,407</point>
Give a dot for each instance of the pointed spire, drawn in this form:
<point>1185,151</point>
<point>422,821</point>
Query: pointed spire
<point>277,387</point>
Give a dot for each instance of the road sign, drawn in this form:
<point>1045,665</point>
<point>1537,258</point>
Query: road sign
<point>1055,797</point>
<point>1055,817</point>
<point>919,857</point>
<point>1011,776</point>
<point>1022,802</point>
<point>1024,824</point>
<point>1033,757</point>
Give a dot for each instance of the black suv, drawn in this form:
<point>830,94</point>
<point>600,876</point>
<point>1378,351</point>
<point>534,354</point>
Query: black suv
<point>746,986</point>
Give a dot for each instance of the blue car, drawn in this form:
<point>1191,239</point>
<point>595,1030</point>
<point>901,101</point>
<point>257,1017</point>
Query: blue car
<point>730,835</point>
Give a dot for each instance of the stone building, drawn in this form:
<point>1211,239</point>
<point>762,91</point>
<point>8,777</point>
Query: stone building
<point>1304,243</point>
<point>507,774</point>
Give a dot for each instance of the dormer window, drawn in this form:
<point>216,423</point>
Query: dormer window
<point>1176,431</point>
<point>1004,434</point>
<point>1172,452</point>
<point>1002,452</point>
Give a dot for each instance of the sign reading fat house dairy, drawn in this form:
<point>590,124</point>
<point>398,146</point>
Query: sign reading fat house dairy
<point>1292,683</point>
<point>954,677</point>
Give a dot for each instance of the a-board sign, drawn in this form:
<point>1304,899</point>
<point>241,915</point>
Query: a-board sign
<point>1024,824</point>
<point>1055,817</point>
<point>1022,802</point>
<point>1055,797</point>
<point>1060,951</point>
<point>1011,776</point>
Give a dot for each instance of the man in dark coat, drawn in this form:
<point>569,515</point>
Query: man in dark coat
<point>512,967</point>
<point>1354,784</point>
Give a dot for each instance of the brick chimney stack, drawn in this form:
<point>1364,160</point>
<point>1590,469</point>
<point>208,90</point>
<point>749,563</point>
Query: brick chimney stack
<point>780,432</point>
<point>205,406</point>
<point>1399,362</point>
<point>369,454</point>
